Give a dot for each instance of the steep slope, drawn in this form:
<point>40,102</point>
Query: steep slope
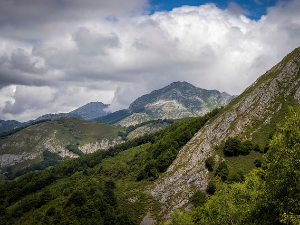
<point>175,101</point>
<point>252,115</point>
<point>28,144</point>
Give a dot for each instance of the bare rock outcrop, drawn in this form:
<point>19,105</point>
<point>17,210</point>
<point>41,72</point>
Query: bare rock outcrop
<point>103,144</point>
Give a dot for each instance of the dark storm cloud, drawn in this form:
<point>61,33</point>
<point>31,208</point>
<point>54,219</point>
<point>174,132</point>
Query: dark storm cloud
<point>23,62</point>
<point>29,12</point>
<point>95,44</point>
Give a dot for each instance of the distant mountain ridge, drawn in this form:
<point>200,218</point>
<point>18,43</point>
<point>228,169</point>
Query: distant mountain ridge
<point>185,93</point>
<point>175,101</point>
<point>89,111</point>
<point>6,125</point>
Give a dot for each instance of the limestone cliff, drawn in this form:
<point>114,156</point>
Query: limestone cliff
<point>261,105</point>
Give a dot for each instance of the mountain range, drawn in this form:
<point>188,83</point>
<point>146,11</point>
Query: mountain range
<point>175,101</point>
<point>149,177</point>
<point>88,112</point>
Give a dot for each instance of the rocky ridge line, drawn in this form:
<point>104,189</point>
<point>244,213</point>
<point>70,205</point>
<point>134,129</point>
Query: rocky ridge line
<point>258,104</point>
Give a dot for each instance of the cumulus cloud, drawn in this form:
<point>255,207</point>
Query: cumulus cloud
<point>56,56</point>
<point>233,7</point>
<point>25,103</point>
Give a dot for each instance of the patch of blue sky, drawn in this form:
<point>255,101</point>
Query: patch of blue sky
<point>253,9</point>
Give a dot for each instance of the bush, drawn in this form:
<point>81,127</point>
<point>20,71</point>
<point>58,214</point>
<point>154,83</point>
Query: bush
<point>78,198</point>
<point>198,198</point>
<point>232,146</point>
<point>209,163</point>
<point>74,149</point>
<point>246,148</point>
<point>235,177</point>
<point>258,163</point>
<point>222,171</point>
<point>211,187</point>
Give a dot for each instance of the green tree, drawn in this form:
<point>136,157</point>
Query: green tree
<point>198,198</point>
<point>232,203</point>
<point>211,187</point>
<point>246,148</point>
<point>78,198</point>
<point>283,172</point>
<point>232,146</point>
<point>209,163</point>
<point>222,171</point>
<point>235,177</point>
<point>179,218</point>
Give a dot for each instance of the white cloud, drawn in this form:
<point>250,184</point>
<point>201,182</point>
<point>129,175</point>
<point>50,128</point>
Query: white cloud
<point>72,60</point>
<point>27,103</point>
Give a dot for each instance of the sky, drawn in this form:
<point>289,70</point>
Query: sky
<point>58,55</point>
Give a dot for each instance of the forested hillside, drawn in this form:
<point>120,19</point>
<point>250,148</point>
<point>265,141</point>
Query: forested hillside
<point>104,187</point>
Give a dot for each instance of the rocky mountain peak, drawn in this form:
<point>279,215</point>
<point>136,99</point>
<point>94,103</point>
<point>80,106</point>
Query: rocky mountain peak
<point>91,110</point>
<point>184,93</point>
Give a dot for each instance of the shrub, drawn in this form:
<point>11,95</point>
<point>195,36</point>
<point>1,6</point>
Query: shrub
<point>222,171</point>
<point>199,198</point>
<point>257,163</point>
<point>211,187</point>
<point>232,146</point>
<point>235,177</point>
<point>246,148</point>
<point>209,163</point>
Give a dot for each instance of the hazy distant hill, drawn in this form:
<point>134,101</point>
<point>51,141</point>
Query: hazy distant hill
<point>6,125</point>
<point>88,112</point>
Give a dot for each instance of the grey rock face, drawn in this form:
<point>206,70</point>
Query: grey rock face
<point>186,94</point>
<point>147,220</point>
<point>91,110</point>
<point>175,101</point>
<point>104,144</point>
<point>11,159</point>
<point>257,105</point>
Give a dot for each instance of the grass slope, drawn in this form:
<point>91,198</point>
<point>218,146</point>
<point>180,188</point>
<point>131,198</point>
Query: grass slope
<point>55,134</point>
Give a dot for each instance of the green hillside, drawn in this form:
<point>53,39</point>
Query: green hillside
<point>24,147</point>
<point>103,186</point>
